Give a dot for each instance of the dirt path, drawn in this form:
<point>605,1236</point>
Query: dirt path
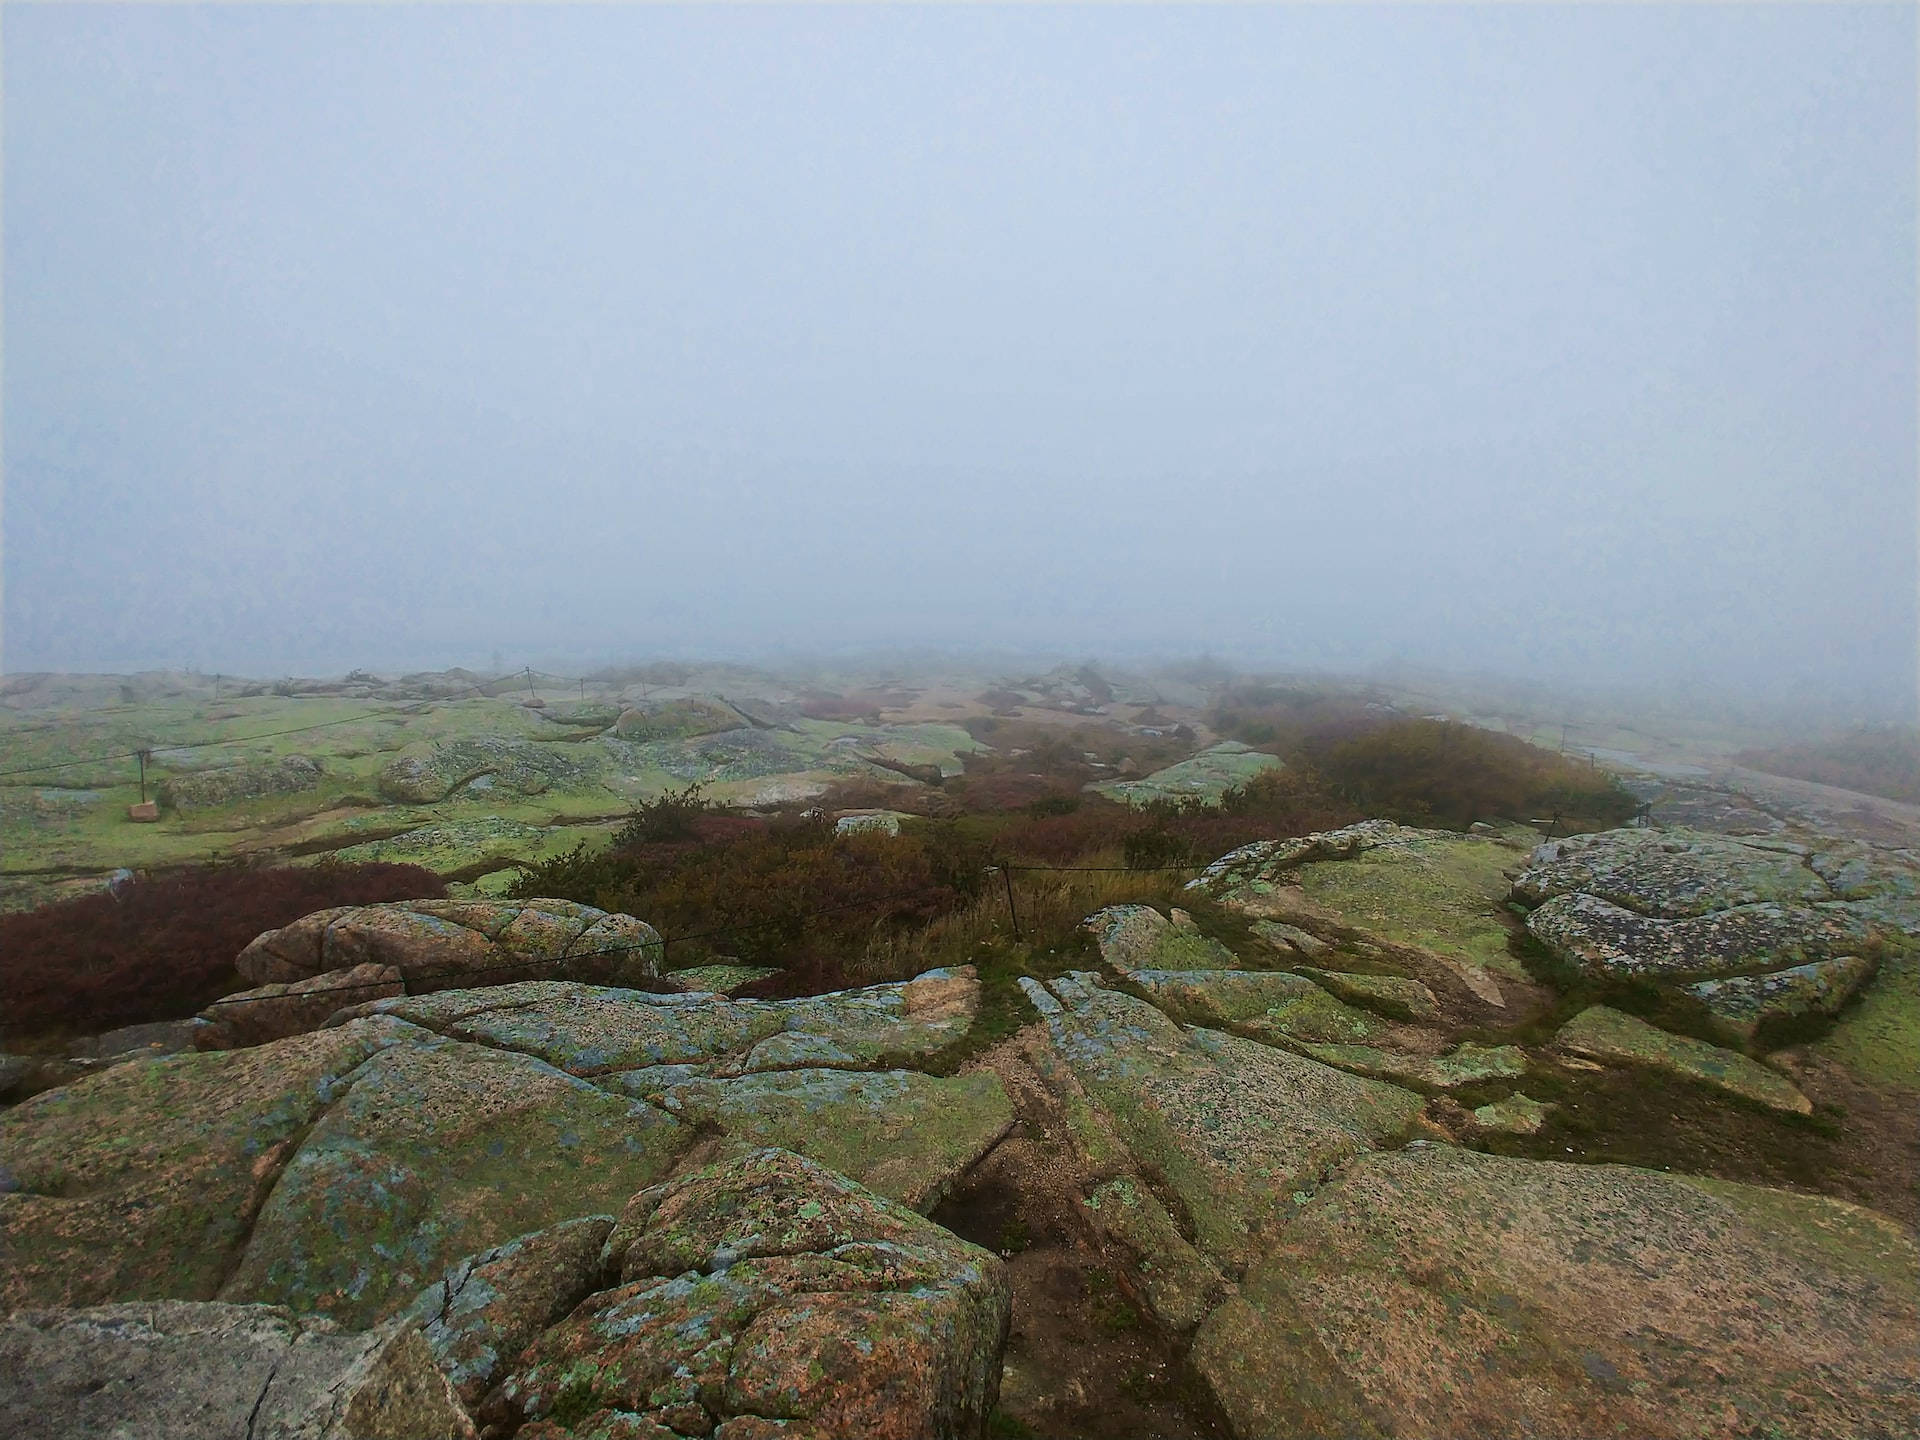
<point>1085,1356</point>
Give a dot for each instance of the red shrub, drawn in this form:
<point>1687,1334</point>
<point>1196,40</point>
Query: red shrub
<point>164,947</point>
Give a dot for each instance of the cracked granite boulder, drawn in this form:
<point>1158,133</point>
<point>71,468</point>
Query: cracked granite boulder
<point>440,944</point>
<point>763,1294</point>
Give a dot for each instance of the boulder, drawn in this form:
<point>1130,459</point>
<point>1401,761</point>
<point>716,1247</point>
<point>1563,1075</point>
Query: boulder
<point>1290,938</point>
<point>684,719</point>
<point>765,1295</point>
<point>1670,874</point>
<point>1434,891</point>
<point>1600,1033</point>
<point>794,1073</point>
<point>273,1012</point>
<point>721,979</point>
<point>1467,1064</point>
<point>1600,940</point>
<point>1516,1115</point>
<point>902,1135</point>
<point>1204,779</point>
<point>1139,937</point>
<point>1741,1005</point>
<point>188,1370</point>
<point>603,1031</point>
<point>1438,1292</point>
<point>525,767</point>
<point>231,784</point>
<point>441,944</point>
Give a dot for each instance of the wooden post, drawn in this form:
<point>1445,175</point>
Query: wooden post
<point>1013,915</point>
<point>146,811</point>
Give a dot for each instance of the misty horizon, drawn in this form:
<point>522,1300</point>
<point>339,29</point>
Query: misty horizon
<point>1569,346</point>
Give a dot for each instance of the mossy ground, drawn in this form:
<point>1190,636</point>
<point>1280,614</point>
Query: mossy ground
<point>1446,896</point>
<point>1878,1035</point>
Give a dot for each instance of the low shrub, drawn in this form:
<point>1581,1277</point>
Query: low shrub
<point>164,947</point>
<point>791,892</point>
<point>1437,772</point>
<point>666,817</point>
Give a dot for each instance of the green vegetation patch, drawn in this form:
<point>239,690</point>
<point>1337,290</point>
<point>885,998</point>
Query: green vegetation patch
<point>1879,1034</point>
<point>1205,778</point>
<point>1444,895</point>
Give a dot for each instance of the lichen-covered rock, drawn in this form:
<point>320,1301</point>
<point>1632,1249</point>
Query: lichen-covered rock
<point>1205,777</point>
<point>1180,1283</point>
<point>442,944</point>
<point>485,1310</point>
<point>1600,1033</point>
<point>718,979</point>
<point>1742,1004</point>
<point>597,1031</point>
<point>1437,1292</point>
<point>1670,874</point>
<point>678,720</point>
<point>436,1150</point>
<point>1436,891</point>
<point>1290,938</point>
<point>1244,872</point>
<point>1139,937</point>
<point>1516,1115</point>
<point>1467,1064</point>
<point>1236,1128</point>
<point>194,1370</point>
<point>1392,995</point>
<point>526,767</point>
<point>1272,1003</point>
<point>231,784</point>
<point>1601,940</point>
<point>765,1287</point>
<point>143,1183</point>
<point>273,1012</point>
<point>901,1134</point>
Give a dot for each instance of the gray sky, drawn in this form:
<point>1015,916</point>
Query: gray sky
<point>1560,342</point>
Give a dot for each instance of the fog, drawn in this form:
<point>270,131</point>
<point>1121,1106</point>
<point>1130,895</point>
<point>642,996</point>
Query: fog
<point>1574,344</point>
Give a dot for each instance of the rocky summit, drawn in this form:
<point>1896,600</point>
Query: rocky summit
<point>1390,1132</point>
